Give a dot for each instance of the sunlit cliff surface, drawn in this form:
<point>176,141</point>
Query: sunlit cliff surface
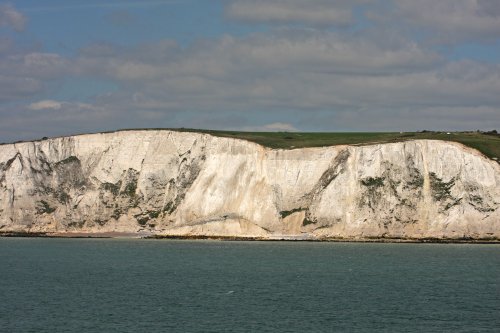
<point>174,183</point>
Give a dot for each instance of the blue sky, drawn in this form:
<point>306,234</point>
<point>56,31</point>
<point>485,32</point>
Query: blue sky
<point>276,65</point>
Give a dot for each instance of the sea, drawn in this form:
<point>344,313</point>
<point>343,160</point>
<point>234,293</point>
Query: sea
<point>139,285</point>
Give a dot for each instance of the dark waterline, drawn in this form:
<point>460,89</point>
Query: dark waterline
<point>115,285</point>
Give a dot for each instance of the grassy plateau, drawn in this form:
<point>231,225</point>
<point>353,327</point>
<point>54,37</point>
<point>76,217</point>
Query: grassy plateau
<point>486,143</point>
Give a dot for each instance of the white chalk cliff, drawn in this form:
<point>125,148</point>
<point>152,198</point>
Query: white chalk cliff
<point>175,183</point>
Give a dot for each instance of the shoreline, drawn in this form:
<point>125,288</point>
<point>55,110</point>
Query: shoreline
<point>108,235</point>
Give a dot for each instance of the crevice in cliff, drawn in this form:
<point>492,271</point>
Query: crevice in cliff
<point>175,189</point>
<point>393,195</point>
<point>40,165</point>
<point>441,192</point>
<point>69,178</point>
<point>188,170</point>
<point>9,162</point>
<point>57,183</point>
<point>117,198</point>
<point>285,213</point>
<point>373,192</point>
<point>337,167</point>
<point>308,219</point>
<point>478,200</point>
<point>43,207</point>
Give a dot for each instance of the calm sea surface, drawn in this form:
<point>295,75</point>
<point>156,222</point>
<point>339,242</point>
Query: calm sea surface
<point>113,285</point>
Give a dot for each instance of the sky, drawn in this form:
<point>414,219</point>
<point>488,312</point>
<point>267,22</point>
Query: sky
<point>69,66</point>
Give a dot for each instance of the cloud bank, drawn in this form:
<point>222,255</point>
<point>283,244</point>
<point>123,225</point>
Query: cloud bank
<point>305,71</point>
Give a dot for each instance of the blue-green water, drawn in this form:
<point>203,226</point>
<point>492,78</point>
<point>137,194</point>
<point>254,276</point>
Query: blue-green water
<point>112,285</point>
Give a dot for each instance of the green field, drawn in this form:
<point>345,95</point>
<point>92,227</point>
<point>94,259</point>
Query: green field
<point>488,144</point>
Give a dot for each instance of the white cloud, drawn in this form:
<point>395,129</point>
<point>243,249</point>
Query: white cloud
<point>45,105</point>
<point>312,12</point>
<point>280,127</point>
<point>59,105</point>
<point>273,127</point>
<point>10,17</point>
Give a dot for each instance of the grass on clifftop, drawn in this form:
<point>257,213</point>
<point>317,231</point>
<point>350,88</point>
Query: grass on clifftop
<point>488,144</point>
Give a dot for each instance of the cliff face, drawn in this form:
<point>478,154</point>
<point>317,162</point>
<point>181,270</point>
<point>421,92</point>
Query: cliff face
<point>174,183</point>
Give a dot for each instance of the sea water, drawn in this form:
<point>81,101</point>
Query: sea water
<point>116,285</point>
